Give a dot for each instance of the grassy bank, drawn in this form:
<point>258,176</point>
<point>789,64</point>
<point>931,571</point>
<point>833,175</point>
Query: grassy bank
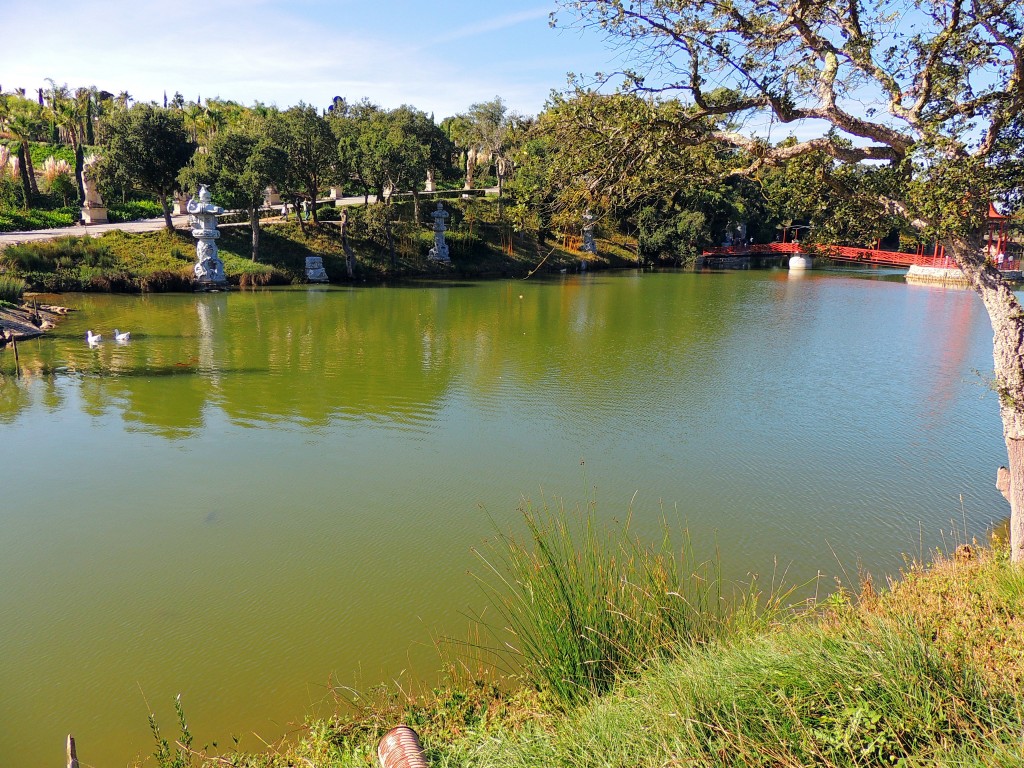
<point>927,672</point>
<point>480,246</point>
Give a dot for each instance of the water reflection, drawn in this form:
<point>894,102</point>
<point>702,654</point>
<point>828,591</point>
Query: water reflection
<point>309,466</point>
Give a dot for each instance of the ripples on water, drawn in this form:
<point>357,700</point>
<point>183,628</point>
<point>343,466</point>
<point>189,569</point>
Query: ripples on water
<point>265,489</point>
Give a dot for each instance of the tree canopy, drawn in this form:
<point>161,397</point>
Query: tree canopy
<point>146,147</point>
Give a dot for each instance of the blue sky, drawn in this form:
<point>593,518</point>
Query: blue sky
<point>438,55</point>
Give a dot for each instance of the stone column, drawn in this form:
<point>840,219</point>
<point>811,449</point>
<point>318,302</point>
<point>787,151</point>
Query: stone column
<point>208,269</point>
<point>440,250</point>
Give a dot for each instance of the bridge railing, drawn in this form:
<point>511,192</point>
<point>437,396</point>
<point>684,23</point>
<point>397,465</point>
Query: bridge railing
<point>850,254</point>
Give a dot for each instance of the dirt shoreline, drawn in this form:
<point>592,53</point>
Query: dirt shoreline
<point>18,320</point>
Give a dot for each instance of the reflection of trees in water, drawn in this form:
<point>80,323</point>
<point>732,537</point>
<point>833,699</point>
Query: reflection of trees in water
<point>392,355</point>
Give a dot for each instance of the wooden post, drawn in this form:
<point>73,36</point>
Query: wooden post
<point>72,752</point>
<point>17,362</point>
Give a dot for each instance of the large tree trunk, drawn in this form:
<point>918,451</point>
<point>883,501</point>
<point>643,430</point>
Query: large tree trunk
<point>26,185</point>
<point>79,165</point>
<point>1007,318</point>
<point>350,257</point>
<point>29,168</point>
<point>298,214</point>
<point>391,239</point>
<point>162,197</point>
<point>312,206</point>
<point>254,222</point>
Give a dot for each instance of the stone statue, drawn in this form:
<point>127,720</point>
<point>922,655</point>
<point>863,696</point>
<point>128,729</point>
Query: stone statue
<point>588,233</point>
<point>315,272</point>
<point>440,250</point>
<point>93,209</point>
<point>209,269</point>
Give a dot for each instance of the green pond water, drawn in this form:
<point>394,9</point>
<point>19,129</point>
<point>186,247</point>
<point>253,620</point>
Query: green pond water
<point>266,494</point>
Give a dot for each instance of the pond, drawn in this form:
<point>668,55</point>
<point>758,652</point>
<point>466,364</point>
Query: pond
<point>264,495</point>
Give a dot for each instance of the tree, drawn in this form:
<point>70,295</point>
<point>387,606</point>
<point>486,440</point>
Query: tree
<point>933,89</point>
<point>23,119</point>
<point>241,163</point>
<point>482,132</point>
<point>615,155</point>
<point>312,153</point>
<point>146,147</point>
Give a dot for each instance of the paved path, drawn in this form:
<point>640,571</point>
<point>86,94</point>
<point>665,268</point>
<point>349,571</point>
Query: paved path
<point>147,225</point>
<point>93,230</point>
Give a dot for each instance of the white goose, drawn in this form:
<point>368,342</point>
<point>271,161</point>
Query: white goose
<point>92,338</point>
<point>118,336</point>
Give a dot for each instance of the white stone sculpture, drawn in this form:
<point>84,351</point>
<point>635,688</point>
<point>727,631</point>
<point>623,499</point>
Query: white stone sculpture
<point>440,250</point>
<point>209,269</point>
<point>588,233</point>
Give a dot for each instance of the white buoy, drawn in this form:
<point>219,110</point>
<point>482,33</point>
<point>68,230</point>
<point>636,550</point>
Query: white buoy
<point>799,261</point>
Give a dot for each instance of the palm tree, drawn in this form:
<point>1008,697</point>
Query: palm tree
<point>24,120</point>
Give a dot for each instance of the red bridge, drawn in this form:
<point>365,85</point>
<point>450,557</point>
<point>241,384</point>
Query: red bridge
<point>853,254</point>
<point>997,238</point>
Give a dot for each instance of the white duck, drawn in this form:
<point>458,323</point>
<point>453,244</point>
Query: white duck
<point>92,338</point>
<point>118,336</point>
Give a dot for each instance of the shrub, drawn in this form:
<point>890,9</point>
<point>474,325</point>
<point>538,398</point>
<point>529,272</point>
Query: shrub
<point>328,213</point>
<point>133,210</point>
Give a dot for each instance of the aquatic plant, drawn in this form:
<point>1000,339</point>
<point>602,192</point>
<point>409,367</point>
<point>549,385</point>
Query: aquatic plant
<point>583,604</point>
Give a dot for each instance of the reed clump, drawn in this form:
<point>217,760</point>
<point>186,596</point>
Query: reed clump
<point>582,604</point>
<point>11,289</point>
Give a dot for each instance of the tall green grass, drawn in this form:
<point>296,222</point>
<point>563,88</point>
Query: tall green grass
<point>11,289</point>
<point>582,604</point>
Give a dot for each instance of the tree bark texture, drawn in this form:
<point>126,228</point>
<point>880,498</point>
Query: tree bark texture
<point>254,222</point>
<point>162,197</point>
<point>1007,318</point>
<point>350,257</point>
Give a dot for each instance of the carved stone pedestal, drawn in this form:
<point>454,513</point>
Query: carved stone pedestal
<point>94,214</point>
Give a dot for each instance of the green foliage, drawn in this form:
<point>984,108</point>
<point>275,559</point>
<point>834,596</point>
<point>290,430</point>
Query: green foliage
<point>113,262</point>
<point>328,213</point>
<point>180,755</point>
<point>145,147</point>
<point>11,289</point>
<point>311,148</point>
<point>677,235</point>
<point>132,210</point>
<point>14,220</point>
<point>388,148</point>
<point>64,188</point>
<point>42,151</point>
<point>62,252</point>
<point>584,605</point>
